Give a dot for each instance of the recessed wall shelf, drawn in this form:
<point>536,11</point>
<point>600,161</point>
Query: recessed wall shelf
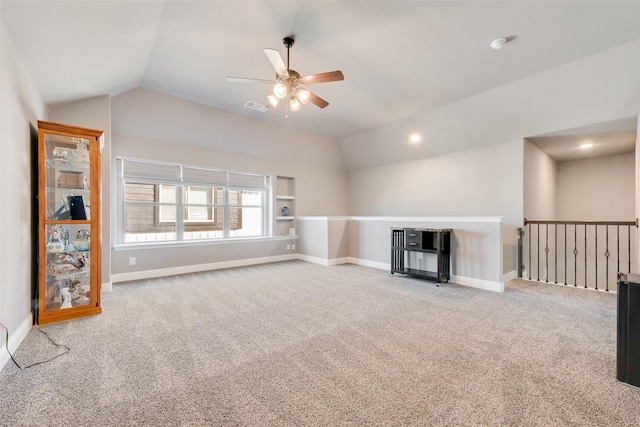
<point>285,206</point>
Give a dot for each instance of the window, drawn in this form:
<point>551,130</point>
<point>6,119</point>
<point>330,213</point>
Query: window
<point>172,202</point>
<point>197,201</point>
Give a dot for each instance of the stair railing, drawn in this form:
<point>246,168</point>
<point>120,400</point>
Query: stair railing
<point>580,253</point>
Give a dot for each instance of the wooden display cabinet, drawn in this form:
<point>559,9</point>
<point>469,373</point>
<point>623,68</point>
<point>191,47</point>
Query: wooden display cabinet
<point>69,271</point>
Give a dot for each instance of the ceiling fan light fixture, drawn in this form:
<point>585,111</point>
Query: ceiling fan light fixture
<point>294,104</point>
<point>287,82</point>
<point>303,95</point>
<point>498,43</point>
<point>273,100</point>
<point>280,90</point>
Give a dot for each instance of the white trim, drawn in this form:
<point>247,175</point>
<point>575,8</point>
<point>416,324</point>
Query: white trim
<point>369,263</point>
<point>171,271</point>
<point>497,219</point>
<point>486,285</point>
<point>324,261</point>
<point>338,261</point>
<point>313,259</point>
<point>15,340</point>
<point>324,218</point>
<point>106,287</point>
<point>458,280</point>
<point>513,274</point>
<point>173,243</point>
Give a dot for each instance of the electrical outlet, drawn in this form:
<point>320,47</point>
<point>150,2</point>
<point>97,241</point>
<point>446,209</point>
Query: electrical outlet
<point>288,247</point>
<point>293,247</point>
<point>132,261</point>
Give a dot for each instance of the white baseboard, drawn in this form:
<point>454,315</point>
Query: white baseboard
<point>323,261</point>
<point>313,259</point>
<point>338,261</point>
<point>15,340</point>
<point>106,287</point>
<point>369,263</point>
<point>458,280</point>
<point>487,285</point>
<point>513,274</point>
<point>172,271</point>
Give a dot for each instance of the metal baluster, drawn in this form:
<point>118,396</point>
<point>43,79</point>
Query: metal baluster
<point>629,234</point>
<point>596,240</point>
<point>530,266</point>
<point>555,253</point>
<point>565,254</point>
<point>585,255</point>
<point>575,255</point>
<point>618,243</point>
<point>538,245</point>
<point>546,250</point>
<point>606,254</point>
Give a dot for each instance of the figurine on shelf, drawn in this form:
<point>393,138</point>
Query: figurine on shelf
<point>66,258</point>
<point>64,264</point>
<point>68,247</point>
<point>82,154</point>
<point>66,298</point>
<point>83,240</point>
<point>54,245</point>
<point>59,153</point>
<point>78,292</point>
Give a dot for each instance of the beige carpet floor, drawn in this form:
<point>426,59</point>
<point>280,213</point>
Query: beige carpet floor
<point>296,344</point>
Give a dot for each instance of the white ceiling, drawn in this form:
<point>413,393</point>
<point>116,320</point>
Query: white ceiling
<point>605,139</point>
<point>399,58</point>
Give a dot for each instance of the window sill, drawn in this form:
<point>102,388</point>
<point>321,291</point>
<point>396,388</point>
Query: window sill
<point>174,244</point>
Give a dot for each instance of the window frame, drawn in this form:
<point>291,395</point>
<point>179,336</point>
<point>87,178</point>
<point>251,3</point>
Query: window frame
<point>178,181</point>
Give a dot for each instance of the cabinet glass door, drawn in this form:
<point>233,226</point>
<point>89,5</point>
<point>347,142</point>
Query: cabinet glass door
<point>68,266</point>
<point>67,186</point>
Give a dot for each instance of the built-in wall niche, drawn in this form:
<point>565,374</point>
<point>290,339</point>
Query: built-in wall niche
<point>285,206</point>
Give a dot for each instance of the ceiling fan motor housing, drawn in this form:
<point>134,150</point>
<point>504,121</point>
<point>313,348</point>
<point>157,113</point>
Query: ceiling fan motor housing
<point>288,42</point>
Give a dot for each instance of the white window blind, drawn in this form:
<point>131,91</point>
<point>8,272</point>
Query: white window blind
<point>194,175</point>
<point>153,170</point>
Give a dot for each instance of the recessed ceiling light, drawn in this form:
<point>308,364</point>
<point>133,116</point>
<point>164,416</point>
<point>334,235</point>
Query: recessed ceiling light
<point>498,43</point>
<point>585,146</point>
<point>415,138</point>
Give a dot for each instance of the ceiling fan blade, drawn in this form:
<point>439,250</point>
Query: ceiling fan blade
<point>245,80</point>
<point>317,101</point>
<point>331,76</point>
<point>276,61</point>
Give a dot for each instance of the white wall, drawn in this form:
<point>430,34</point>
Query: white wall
<point>540,184</point>
<point>482,182</point>
<point>155,126</point>
<point>476,245</point>
<point>94,113</point>
<point>597,189</point>
<point>20,107</point>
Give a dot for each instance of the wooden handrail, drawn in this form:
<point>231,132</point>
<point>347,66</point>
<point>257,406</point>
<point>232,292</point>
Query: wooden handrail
<point>629,223</point>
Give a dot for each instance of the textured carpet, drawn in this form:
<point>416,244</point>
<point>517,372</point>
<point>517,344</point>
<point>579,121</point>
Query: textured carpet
<point>296,344</point>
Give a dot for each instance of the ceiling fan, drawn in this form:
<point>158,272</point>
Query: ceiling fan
<point>288,82</point>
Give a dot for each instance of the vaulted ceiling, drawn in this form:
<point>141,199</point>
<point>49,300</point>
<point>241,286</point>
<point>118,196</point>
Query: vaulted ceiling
<point>398,57</point>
